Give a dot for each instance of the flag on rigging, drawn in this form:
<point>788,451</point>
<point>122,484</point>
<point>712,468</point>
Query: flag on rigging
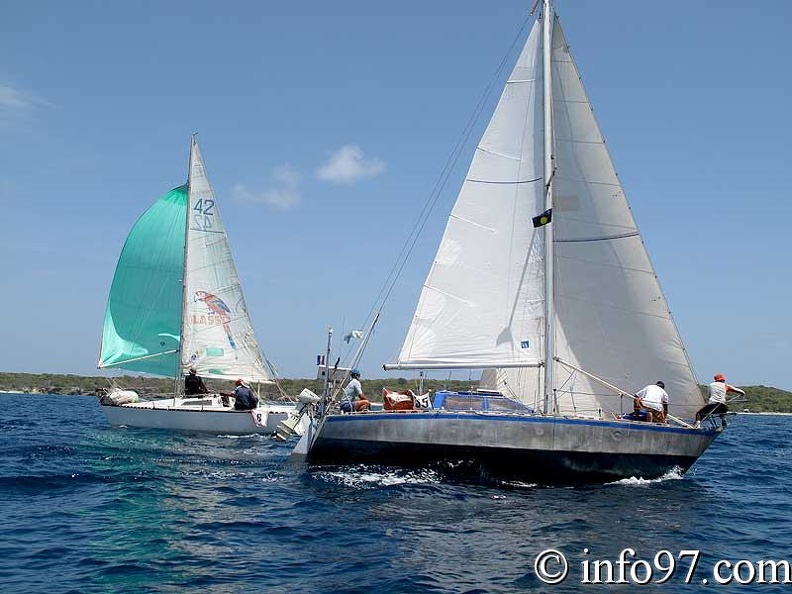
<point>354,334</point>
<point>543,218</point>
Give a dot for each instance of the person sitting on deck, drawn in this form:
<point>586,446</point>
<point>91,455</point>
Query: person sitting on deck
<point>654,399</point>
<point>353,399</point>
<point>194,384</point>
<point>244,397</point>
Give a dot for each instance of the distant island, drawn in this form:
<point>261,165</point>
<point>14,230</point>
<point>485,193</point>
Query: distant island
<point>757,398</point>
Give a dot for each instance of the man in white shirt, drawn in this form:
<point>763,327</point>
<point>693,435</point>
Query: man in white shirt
<point>716,405</point>
<point>654,399</point>
<point>719,389</point>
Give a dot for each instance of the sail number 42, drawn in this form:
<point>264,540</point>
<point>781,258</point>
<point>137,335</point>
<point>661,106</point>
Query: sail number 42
<point>203,214</point>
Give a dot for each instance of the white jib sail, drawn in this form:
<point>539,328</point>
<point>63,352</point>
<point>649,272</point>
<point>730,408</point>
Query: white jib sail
<point>613,317</point>
<point>217,337</point>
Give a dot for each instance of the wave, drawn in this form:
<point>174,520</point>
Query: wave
<point>675,474</point>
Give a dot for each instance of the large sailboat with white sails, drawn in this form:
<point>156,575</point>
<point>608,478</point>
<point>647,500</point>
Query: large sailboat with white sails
<point>542,282</point>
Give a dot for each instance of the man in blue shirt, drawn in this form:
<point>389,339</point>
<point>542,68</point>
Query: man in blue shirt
<point>244,398</point>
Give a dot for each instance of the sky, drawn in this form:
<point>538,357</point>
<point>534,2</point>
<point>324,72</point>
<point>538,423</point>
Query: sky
<point>324,127</point>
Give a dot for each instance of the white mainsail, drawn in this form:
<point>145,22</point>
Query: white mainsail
<point>217,335</point>
<point>482,304</point>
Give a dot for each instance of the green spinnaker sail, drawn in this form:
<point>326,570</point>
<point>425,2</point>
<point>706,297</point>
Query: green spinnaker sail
<point>142,323</point>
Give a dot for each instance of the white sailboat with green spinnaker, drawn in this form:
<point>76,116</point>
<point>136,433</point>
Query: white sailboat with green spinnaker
<point>176,303</point>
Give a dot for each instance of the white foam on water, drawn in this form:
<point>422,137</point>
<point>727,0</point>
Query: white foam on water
<point>520,484</point>
<point>675,474</point>
<point>367,477</point>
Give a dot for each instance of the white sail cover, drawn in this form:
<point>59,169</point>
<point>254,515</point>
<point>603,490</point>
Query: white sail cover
<point>482,302</point>
<point>611,318</point>
<point>218,338</point>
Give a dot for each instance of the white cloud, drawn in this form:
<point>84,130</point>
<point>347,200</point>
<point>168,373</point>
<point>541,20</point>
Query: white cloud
<point>279,198</point>
<point>287,175</point>
<point>348,165</point>
<point>11,99</point>
<point>16,104</point>
<point>283,196</point>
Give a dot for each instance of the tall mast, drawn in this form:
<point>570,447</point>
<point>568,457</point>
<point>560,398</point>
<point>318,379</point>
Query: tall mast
<point>179,370</point>
<point>547,48</point>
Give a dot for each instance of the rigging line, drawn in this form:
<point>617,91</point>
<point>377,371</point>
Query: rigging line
<point>434,195</point>
<point>616,389</point>
<point>136,359</point>
<point>275,379</point>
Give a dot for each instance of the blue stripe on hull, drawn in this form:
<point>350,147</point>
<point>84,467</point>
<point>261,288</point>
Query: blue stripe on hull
<point>396,417</point>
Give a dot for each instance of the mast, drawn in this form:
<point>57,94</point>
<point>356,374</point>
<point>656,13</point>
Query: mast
<point>549,347</point>
<point>326,384</point>
<point>179,371</point>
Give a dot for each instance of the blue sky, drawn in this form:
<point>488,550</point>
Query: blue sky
<point>324,127</point>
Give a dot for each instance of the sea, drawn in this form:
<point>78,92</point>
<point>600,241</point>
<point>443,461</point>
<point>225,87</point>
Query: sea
<point>89,508</point>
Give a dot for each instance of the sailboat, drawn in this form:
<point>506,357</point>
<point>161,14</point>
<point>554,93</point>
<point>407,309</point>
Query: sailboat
<point>176,303</point>
<point>542,282</point>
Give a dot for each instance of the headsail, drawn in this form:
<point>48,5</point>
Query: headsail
<point>218,336</point>
<point>483,301</point>
<point>143,316</point>
<point>614,318</point>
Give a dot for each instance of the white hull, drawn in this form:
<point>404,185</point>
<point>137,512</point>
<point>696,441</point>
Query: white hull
<point>202,415</point>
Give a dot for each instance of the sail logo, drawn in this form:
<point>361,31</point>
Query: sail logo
<point>209,319</point>
<point>219,314</point>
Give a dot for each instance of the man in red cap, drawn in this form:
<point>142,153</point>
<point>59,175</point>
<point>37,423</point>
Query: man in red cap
<point>719,388</point>
<point>716,404</point>
<point>244,398</point>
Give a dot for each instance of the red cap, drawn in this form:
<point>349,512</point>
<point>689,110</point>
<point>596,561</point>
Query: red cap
<point>719,377</point>
<point>239,382</point>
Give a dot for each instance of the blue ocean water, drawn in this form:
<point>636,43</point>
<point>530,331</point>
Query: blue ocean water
<point>89,508</point>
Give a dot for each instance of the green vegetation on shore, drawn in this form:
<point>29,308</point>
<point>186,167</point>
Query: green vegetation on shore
<point>89,385</point>
<point>757,399</point>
